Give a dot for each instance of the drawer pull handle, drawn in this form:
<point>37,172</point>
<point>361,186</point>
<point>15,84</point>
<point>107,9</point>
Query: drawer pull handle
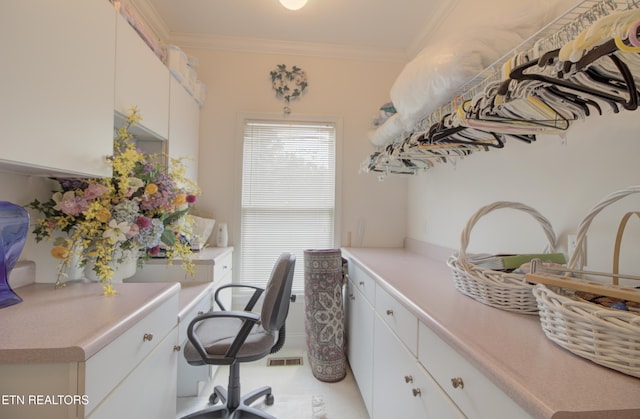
<point>389,312</point>
<point>148,337</point>
<point>457,382</point>
<point>416,392</point>
<point>177,348</point>
<point>408,379</point>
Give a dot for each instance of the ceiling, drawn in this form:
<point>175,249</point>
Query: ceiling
<point>381,28</point>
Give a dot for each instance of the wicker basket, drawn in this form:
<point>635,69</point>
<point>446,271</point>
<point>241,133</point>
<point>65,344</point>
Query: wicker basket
<point>605,336</point>
<point>499,289</point>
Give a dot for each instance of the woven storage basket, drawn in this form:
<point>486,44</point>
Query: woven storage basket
<point>605,336</point>
<point>499,289</point>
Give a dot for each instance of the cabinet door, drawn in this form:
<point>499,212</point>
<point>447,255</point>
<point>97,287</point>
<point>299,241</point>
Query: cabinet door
<point>150,390</point>
<point>360,342</point>
<point>142,80</point>
<point>476,395</point>
<point>57,86</point>
<point>401,389</point>
<point>184,128</point>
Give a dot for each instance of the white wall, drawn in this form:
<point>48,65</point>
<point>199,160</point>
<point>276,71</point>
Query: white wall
<point>561,179</point>
<point>351,89</point>
<point>21,190</point>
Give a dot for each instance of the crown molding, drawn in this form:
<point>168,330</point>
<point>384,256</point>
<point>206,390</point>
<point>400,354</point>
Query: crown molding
<point>269,46</point>
<point>431,27</point>
<point>262,46</point>
<point>152,18</point>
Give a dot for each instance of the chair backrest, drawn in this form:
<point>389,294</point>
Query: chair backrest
<point>277,296</point>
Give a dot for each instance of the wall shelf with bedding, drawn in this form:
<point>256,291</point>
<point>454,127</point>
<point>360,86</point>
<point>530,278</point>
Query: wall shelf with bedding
<point>585,62</point>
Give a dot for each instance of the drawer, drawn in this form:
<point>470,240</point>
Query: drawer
<point>107,368</point>
<point>362,281</point>
<point>400,320</point>
<point>204,305</point>
<point>477,397</point>
<point>222,266</point>
<point>159,270</point>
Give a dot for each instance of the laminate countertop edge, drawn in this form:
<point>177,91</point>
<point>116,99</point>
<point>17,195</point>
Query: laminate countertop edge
<point>73,323</point>
<point>543,378</point>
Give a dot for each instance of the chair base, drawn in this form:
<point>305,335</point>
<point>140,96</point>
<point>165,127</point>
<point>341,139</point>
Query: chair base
<point>242,411</point>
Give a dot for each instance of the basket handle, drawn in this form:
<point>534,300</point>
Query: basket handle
<point>616,247</point>
<point>577,258</point>
<point>544,222</point>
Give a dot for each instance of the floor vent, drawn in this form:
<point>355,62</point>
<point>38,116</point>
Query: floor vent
<point>281,362</point>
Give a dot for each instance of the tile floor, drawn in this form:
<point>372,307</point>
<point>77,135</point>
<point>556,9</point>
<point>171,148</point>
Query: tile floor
<point>340,400</point>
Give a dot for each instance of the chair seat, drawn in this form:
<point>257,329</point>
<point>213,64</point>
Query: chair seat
<point>217,337</point>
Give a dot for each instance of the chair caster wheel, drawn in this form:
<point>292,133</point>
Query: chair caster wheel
<point>269,399</point>
<point>213,399</point>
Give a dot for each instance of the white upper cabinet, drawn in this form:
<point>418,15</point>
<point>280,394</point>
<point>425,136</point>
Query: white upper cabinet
<point>184,128</point>
<point>142,80</point>
<point>57,86</point>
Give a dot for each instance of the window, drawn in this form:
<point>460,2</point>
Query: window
<point>288,195</point>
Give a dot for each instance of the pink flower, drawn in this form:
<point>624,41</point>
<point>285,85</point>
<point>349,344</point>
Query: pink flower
<point>133,231</point>
<point>191,199</point>
<point>94,190</point>
<point>154,251</point>
<point>74,206</point>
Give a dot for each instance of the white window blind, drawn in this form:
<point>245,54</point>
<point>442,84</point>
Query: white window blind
<point>288,195</point>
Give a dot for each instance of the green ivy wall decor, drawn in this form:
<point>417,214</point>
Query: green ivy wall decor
<point>288,84</point>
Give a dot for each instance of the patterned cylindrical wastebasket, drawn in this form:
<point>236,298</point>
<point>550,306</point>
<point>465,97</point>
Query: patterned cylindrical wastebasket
<point>324,316</point>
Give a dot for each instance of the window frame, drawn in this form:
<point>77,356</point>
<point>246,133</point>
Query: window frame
<point>241,119</point>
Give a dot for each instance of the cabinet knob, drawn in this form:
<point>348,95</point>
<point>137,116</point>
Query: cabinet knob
<point>457,382</point>
<point>389,312</point>
<point>351,296</point>
<point>408,379</point>
<point>177,348</point>
<point>416,392</point>
<point>361,283</point>
<point>200,313</point>
<point>148,337</point>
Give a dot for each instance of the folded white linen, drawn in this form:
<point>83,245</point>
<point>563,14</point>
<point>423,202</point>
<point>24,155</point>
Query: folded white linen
<point>390,131</point>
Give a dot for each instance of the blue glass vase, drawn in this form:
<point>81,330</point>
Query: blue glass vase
<point>14,226</point>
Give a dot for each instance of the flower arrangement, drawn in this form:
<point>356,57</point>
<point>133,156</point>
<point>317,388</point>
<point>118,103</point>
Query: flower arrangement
<point>142,208</point>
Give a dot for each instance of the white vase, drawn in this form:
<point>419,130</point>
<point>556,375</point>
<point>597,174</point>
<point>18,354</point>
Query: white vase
<point>222,237</point>
<point>125,269</point>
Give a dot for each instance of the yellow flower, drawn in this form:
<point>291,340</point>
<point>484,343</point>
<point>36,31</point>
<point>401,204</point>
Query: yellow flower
<point>103,215</point>
<point>60,252</point>
<point>180,199</point>
<point>151,189</point>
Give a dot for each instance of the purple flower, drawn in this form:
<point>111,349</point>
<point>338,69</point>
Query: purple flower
<point>154,251</point>
<point>143,222</point>
<point>191,199</point>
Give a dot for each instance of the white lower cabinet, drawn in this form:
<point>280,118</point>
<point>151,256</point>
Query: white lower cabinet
<point>471,390</point>
<point>404,370</point>
<point>401,387</point>
<point>133,376</point>
<point>149,391</point>
<point>360,342</point>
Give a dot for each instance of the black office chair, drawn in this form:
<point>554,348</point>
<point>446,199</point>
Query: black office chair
<point>232,337</point>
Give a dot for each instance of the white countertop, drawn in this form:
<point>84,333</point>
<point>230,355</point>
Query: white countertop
<point>509,348</point>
